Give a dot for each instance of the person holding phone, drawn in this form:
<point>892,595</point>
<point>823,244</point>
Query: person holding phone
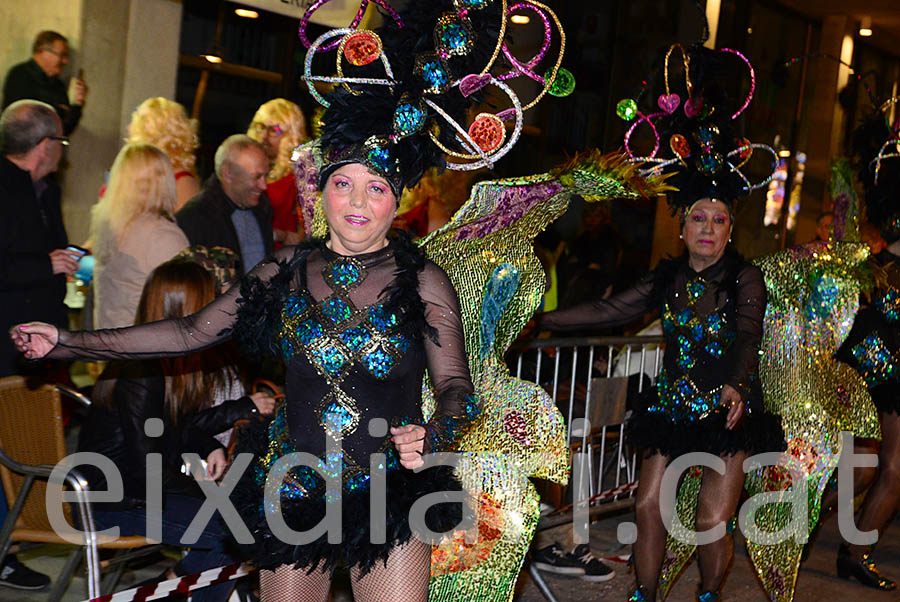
<point>39,78</point>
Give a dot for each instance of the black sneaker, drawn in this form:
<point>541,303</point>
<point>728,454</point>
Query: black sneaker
<point>594,570</point>
<point>16,575</point>
<point>553,560</point>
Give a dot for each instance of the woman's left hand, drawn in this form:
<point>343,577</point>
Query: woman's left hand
<point>410,443</point>
<point>731,399</point>
<point>216,464</point>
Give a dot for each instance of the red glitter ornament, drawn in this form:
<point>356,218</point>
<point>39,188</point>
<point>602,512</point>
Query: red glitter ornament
<point>362,48</point>
<point>487,131</point>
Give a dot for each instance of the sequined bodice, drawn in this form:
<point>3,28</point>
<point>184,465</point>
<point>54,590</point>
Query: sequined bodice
<point>347,357</point>
<point>697,337</point>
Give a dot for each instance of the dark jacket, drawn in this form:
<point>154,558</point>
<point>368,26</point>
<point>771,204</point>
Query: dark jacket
<point>118,432</point>
<point>30,227</point>
<point>206,220</point>
<point>28,80</point>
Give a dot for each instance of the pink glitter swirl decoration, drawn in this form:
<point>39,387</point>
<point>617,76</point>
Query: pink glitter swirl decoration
<point>526,68</point>
<point>649,119</point>
<point>752,80</point>
<point>304,20</point>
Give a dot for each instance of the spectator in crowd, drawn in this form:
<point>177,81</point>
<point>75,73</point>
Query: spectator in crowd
<point>39,79</point>
<point>164,124</point>
<point>34,261</point>
<point>133,231</point>
<point>233,210</point>
<point>180,395</point>
<point>823,225</point>
<point>280,127</point>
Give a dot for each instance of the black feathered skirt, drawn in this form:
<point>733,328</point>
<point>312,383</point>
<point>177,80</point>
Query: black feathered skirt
<point>871,348</point>
<point>672,423</point>
<point>304,504</point>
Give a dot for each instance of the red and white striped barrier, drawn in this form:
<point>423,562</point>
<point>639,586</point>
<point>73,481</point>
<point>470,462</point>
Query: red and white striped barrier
<point>603,495</point>
<point>179,585</point>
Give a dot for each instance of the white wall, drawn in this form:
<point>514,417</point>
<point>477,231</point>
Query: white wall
<point>128,50</point>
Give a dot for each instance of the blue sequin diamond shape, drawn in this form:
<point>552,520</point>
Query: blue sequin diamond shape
<point>381,318</point>
<point>330,359</point>
<point>308,331</point>
<point>400,342</point>
<point>379,362</point>
<point>345,273</point>
<point>336,309</point>
<point>355,338</point>
<point>715,323</point>
<point>684,316</point>
<point>695,289</point>
<point>337,419</point>
<point>454,37</point>
<point>295,305</point>
<point>714,349</point>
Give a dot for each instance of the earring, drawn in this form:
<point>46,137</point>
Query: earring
<point>729,239</point>
<point>681,236</point>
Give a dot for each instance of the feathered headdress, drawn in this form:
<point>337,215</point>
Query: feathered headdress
<point>406,90</point>
<point>694,128</point>
<point>876,146</point>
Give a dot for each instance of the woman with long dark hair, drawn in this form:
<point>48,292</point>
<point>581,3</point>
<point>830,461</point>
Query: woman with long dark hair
<point>166,407</point>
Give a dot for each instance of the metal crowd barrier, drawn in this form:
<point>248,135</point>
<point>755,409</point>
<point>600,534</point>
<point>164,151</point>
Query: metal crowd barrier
<point>593,381</point>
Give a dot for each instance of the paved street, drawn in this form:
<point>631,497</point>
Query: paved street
<point>817,579</point>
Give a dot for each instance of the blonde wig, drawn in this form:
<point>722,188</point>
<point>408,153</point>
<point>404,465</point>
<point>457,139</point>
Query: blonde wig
<point>290,118</point>
<point>141,182</point>
<point>164,123</point>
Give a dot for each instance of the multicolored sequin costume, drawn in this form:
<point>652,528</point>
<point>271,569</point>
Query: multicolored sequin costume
<point>486,250</point>
<point>873,345</point>
<point>356,334</point>
<point>712,321</point>
<point>813,294</point>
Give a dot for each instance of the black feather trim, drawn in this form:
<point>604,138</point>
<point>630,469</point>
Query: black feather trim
<point>404,487</point>
<point>260,304</point>
<point>757,432</point>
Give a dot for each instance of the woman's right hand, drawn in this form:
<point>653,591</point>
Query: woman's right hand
<point>34,339</point>
<point>265,403</point>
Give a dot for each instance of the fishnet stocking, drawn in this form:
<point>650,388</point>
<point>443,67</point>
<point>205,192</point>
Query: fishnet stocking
<point>881,502</point>
<point>288,583</point>
<point>719,496</point>
<point>650,545</point>
<point>404,577</point>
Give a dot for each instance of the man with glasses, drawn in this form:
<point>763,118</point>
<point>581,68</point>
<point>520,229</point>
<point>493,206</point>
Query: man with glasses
<point>34,261</point>
<point>39,79</point>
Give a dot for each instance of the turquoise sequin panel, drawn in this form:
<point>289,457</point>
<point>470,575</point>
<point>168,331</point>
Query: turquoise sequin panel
<point>379,362</point>
<point>454,38</point>
<point>381,318</point>
<point>356,338</point>
<point>685,357</point>
<point>501,287</point>
<point>876,363</point>
<point>330,359</point>
<point>435,75</point>
<point>889,306</point>
<point>345,274</point>
<point>336,309</point>
<point>308,331</point>
<point>295,305</point>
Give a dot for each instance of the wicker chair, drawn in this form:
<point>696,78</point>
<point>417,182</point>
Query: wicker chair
<point>31,444</point>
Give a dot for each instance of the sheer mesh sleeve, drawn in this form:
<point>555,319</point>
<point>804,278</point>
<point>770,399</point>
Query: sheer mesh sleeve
<point>604,313</point>
<point>447,362</point>
<point>167,338</point>
<point>749,311</point>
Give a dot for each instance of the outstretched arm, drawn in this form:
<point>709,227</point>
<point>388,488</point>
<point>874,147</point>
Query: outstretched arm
<point>603,313</point>
<point>167,338</point>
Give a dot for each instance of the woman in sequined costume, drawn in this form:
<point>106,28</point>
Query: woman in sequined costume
<point>357,319</point>
<point>873,347</point>
<point>708,397</point>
